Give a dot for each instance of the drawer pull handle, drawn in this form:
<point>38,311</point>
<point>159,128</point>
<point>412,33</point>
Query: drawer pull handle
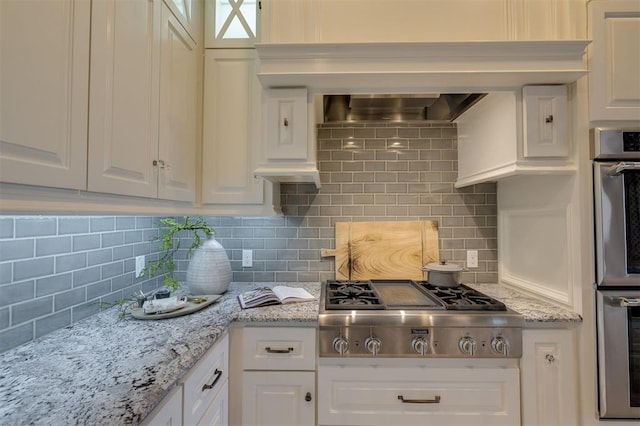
<point>435,400</point>
<point>307,397</point>
<point>206,386</point>
<point>278,351</point>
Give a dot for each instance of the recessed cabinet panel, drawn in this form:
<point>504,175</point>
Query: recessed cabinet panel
<point>231,128</point>
<point>44,83</point>
<point>549,379</point>
<point>178,102</point>
<point>123,120</point>
<point>545,121</point>
<point>614,86</point>
<point>286,121</point>
<point>278,398</point>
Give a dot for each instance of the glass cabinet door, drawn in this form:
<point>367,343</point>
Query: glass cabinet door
<point>232,23</point>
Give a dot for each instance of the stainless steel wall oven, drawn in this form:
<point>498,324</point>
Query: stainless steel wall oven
<point>616,174</point>
<point>616,183</point>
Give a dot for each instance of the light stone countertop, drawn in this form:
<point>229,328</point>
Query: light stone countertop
<point>106,371</point>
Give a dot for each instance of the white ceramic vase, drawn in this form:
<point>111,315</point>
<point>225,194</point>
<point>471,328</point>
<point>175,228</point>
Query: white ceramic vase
<point>209,271</point>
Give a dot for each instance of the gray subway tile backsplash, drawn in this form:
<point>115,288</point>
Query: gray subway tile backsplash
<point>58,270</point>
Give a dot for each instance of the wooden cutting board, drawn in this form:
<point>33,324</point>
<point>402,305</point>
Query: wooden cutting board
<point>384,250</point>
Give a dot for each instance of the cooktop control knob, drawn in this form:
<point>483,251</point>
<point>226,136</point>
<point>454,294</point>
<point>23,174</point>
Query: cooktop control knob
<point>373,345</point>
<point>420,345</point>
<point>500,345</point>
<point>467,345</point>
<point>341,345</point>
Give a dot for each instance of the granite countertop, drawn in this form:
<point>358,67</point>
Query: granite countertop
<point>536,312</point>
<point>104,370</point>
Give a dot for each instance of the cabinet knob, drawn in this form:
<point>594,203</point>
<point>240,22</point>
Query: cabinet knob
<point>159,163</point>
<point>548,119</point>
<point>285,122</point>
<point>307,397</point>
<point>550,358</point>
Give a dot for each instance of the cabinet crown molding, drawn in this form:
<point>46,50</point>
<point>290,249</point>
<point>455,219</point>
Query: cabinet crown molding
<point>381,67</point>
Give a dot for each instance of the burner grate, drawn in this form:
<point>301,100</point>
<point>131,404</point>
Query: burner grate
<point>464,298</point>
<point>352,295</point>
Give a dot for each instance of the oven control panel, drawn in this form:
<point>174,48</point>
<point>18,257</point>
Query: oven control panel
<point>407,342</point>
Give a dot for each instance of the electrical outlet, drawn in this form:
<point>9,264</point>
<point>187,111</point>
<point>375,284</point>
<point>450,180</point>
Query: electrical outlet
<point>139,265</point>
<point>247,258</point>
<point>472,258</point>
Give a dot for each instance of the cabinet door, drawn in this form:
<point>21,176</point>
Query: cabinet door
<point>278,398</point>
<point>178,120</point>
<point>545,118</point>
<point>123,121</point>
<point>231,128</point>
<point>44,86</point>
<point>614,86</point>
<point>549,379</point>
<point>231,23</point>
<point>218,412</point>
<point>286,125</point>
<point>188,13</point>
<point>169,412</point>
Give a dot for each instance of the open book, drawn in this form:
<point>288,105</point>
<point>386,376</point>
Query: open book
<point>264,296</point>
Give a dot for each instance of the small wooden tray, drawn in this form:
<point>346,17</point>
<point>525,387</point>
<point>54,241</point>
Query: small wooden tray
<point>191,307</point>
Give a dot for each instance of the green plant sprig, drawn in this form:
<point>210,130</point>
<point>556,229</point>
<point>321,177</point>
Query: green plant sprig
<point>165,264</point>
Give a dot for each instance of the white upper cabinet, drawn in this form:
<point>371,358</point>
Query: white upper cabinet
<point>231,128</point>
<point>296,21</point>
<point>188,12</point>
<point>178,130</point>
<point>511,133</point>
<point>44,78</point>
<point>232,23</point>
<point>123,120</point>
<point>142,123</point>
<point>614,82</point>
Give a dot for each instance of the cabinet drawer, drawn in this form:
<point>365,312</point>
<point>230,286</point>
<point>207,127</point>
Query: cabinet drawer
<point>279,348</point>
<point>443,396</point>
<point>205,380</point>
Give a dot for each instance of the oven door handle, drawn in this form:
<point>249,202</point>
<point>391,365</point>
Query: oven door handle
<point>621,167</point>
<point>629,302</point>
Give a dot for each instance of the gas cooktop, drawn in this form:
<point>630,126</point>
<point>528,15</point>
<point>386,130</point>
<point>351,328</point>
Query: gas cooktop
<point>405,294</point>
<point>407,318</point>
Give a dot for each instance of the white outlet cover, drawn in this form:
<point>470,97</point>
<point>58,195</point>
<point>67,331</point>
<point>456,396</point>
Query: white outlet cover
<point>247,258</point>
<point>139,265</point>
<point>472,258</point>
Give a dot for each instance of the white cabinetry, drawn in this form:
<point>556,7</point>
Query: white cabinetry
<point>295,21</point>
<point>202,397</point>
<point>206,393</point>
<point>614,85</point>
<point>142,124</point>
<point>189,13</point>
<point>418,395</point>
<point>44,83</point>
<point>231,128</point>
<point>232,23</point>
<point>278,376</point>
<point>288,148</point>
<point>509,133</point>
<point>169,412</point>
<point>549,378</point>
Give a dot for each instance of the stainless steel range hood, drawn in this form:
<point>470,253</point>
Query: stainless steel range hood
<point>397,107</point>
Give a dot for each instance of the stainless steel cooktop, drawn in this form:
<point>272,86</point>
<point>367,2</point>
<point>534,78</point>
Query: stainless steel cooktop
<point>405,318</point>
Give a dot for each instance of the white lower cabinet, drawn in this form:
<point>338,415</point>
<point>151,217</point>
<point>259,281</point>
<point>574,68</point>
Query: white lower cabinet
<point>203,396</point>
<point>380,395</point>
<point>549,378</point>
<point>169,412</point>
<point>277,368</point>
<point>278,398</point>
